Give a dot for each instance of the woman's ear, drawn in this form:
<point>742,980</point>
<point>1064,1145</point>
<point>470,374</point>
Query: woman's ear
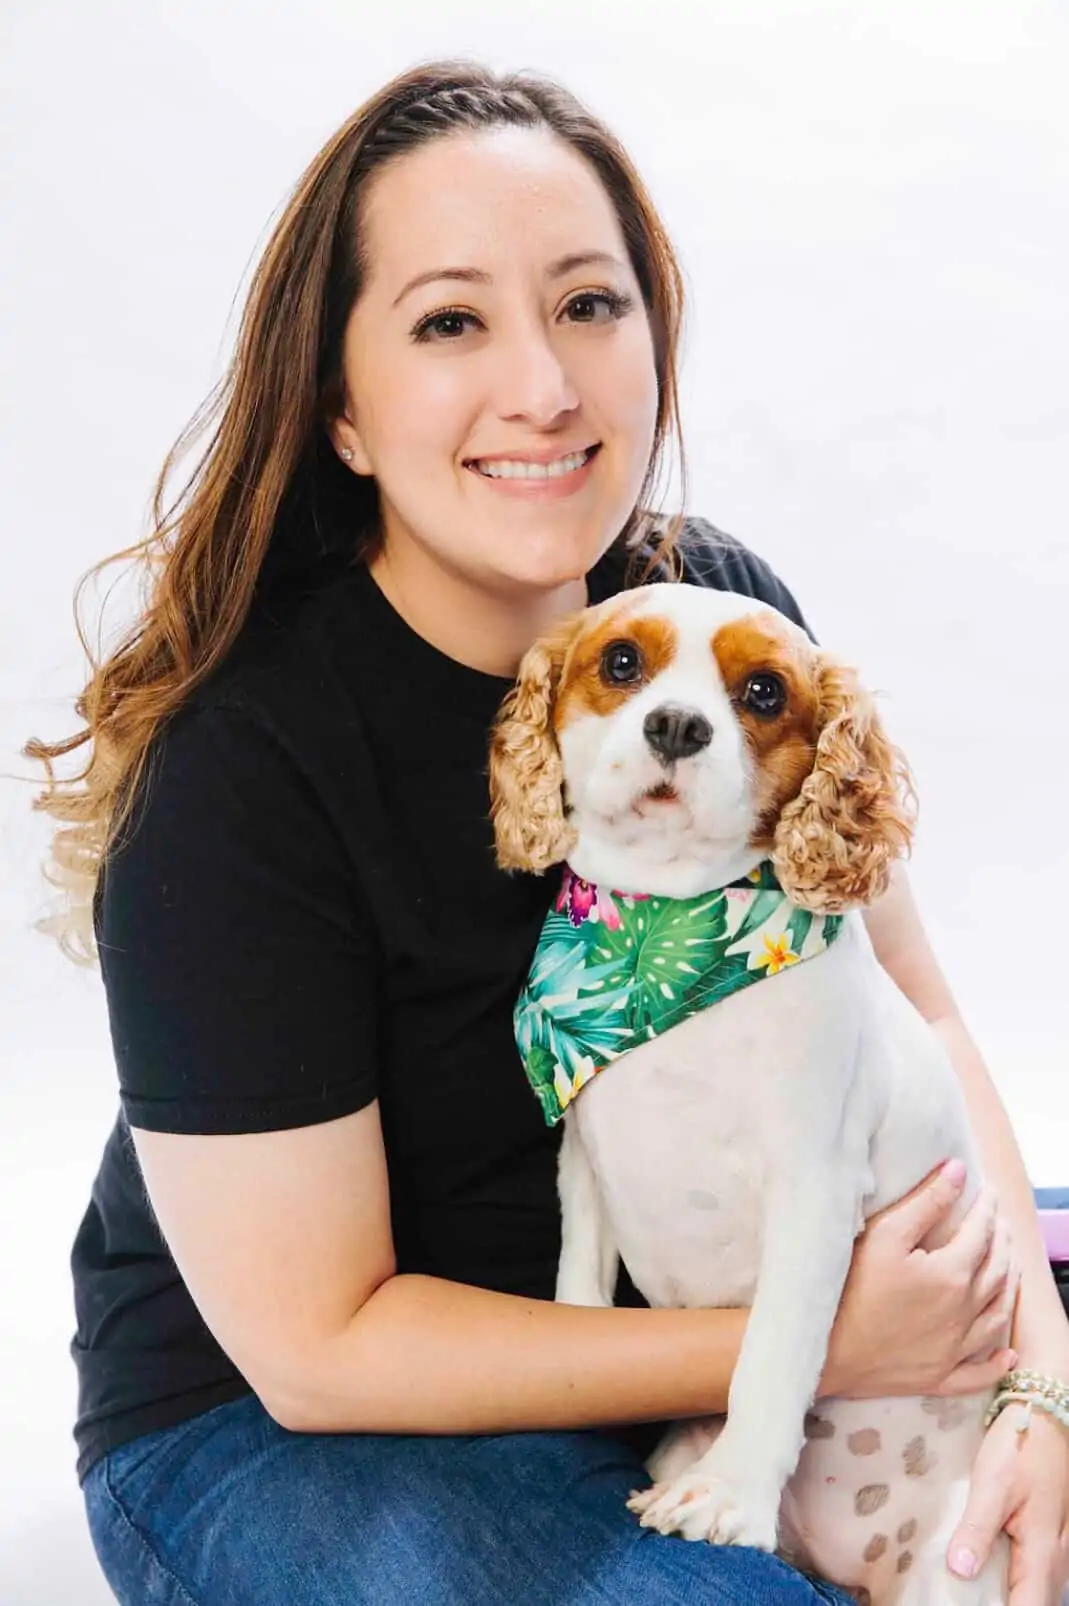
<point>837,842</point>
<point>526,778</point>
<point>347,442</point>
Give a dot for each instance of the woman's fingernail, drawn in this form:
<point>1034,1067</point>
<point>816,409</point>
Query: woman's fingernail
<point>1011,1359</point>
<point>963,1562</point>
<point>954,1172</point>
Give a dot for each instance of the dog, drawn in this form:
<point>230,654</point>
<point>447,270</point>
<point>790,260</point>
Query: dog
<point>720,789</point>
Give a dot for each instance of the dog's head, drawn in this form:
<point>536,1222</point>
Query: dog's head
<point>669,739</point>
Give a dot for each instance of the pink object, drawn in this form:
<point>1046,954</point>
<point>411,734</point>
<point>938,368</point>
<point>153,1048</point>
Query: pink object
<point>1055,1226</point>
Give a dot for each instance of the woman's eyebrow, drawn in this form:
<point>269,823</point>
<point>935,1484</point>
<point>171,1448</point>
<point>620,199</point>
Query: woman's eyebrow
<point>468,275</point>
<point>583,259</point>
<point>556,270</point>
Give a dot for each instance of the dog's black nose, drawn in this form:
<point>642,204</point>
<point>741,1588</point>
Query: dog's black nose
<point>675,732</point>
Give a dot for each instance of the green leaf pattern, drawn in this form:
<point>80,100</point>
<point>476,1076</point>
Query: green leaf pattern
<point>596,989</point>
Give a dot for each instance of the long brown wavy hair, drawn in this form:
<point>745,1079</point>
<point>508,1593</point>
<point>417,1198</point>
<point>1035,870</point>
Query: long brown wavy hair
<point>266,473</point>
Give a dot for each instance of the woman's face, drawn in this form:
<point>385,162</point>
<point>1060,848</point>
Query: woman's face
<point>498,364</point>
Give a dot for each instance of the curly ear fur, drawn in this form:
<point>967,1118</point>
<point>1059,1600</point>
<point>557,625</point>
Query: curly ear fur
<point>836,843</point>
<point>526,777</point>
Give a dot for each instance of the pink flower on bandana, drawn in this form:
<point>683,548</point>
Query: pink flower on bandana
<point>581,901</point>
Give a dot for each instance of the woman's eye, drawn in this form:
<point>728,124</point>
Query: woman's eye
<point>448,325</point>
<point>598,306</point>
<point>765,695</point>
<point>621,663</point>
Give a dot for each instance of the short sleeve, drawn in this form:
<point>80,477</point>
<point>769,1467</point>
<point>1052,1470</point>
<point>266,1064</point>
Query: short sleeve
<point>238,961</point>
<point>711,558</point>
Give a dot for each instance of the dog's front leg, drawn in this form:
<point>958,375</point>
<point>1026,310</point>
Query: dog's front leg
<point>589,1260</point>
<point>731,1494</point>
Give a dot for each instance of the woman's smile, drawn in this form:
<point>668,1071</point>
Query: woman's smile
<point>538,477</point>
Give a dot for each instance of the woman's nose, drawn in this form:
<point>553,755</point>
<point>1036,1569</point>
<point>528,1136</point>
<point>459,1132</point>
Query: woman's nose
<point>534,385</point>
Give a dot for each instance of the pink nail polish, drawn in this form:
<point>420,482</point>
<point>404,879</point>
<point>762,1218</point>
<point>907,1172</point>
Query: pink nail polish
<point>954,1172</point>
<point>963,1562</point>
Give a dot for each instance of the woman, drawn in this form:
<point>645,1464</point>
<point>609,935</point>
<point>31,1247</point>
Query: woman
<point>454,380</point>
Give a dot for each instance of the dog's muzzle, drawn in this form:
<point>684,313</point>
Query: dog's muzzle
<point>674,733</point>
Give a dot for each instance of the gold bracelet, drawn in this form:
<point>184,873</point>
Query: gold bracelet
<point>1028,1388</point>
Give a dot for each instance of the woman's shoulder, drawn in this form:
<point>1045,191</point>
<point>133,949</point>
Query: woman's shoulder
<point>281,669</point>
<point>262,725</point>
<point>708,556</point>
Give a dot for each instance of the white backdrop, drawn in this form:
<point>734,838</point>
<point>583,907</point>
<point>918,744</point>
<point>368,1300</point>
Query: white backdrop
<point>871,200</point>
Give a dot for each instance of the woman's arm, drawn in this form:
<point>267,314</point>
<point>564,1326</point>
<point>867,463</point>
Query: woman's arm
<point>1041,1333</point>
<point>1020,1486</point>
<point>283,1239</point>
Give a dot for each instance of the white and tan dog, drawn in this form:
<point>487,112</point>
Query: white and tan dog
<point>663,744</point>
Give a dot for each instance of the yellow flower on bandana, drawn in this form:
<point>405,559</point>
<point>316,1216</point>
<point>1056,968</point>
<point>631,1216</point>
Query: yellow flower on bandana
<point>777,956</point>
<point>562,1086</point>
<point>613,970</point>
<point>567,1083</point>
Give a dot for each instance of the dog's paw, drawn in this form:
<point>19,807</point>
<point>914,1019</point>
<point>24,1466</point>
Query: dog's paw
<point>698,1505</point>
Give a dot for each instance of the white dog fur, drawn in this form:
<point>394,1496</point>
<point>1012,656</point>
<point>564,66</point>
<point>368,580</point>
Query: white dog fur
<point>732,1161</point>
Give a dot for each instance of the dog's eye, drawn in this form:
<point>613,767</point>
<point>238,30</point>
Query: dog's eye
<point>621,663</point>
<point>765,695</point>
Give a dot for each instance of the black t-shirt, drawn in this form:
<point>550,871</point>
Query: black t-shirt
<point>305,915</point>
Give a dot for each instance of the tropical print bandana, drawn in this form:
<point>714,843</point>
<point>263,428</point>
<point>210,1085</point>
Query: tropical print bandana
<point>613,970</point>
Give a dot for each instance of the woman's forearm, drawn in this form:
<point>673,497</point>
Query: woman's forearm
<point>427,1356</point>
<point>1041,1332</point>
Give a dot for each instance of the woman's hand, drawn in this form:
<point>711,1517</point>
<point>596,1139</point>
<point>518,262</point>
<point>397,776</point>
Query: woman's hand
<point>920,1321</point>
<point>1020,1483</point>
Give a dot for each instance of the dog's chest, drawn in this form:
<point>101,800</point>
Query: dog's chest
<point>682,1186</point>
<point>688,1133</point>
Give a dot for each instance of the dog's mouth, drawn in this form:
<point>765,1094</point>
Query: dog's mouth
<point>655,801</point>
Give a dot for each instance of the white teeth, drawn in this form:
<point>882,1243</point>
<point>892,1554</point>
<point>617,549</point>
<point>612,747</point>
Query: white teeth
<point>501,468</point>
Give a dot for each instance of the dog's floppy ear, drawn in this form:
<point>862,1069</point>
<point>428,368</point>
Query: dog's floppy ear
<point>836,843</point>
<point>526,778</point>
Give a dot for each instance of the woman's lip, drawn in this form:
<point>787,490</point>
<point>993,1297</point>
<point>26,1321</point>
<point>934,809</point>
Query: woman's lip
<point>551,454</point>
<point>553,489</point>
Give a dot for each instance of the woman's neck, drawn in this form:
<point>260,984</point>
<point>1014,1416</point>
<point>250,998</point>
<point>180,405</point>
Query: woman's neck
<point>485,630</point>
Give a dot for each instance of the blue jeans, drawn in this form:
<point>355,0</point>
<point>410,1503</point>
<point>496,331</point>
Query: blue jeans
<point>229,1509</point>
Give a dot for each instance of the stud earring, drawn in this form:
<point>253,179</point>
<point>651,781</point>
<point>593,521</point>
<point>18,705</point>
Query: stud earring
<point>347,455</point>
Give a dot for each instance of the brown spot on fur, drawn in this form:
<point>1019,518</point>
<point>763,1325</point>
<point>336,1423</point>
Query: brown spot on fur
<point>583,689</point>
<point>818,1427</point>
<point>868,1500</point>
<point>907,1530</point>
<point>948,1413</point>
<point>558,677</point>
<point>865,1442</point>
<point>784,747</point>
<point>904,1562</point>
<point>918,1458</point>
<point>836,842</point>
<point>875,1548</point>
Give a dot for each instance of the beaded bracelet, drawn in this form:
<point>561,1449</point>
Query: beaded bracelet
<point>1029,1389</point>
